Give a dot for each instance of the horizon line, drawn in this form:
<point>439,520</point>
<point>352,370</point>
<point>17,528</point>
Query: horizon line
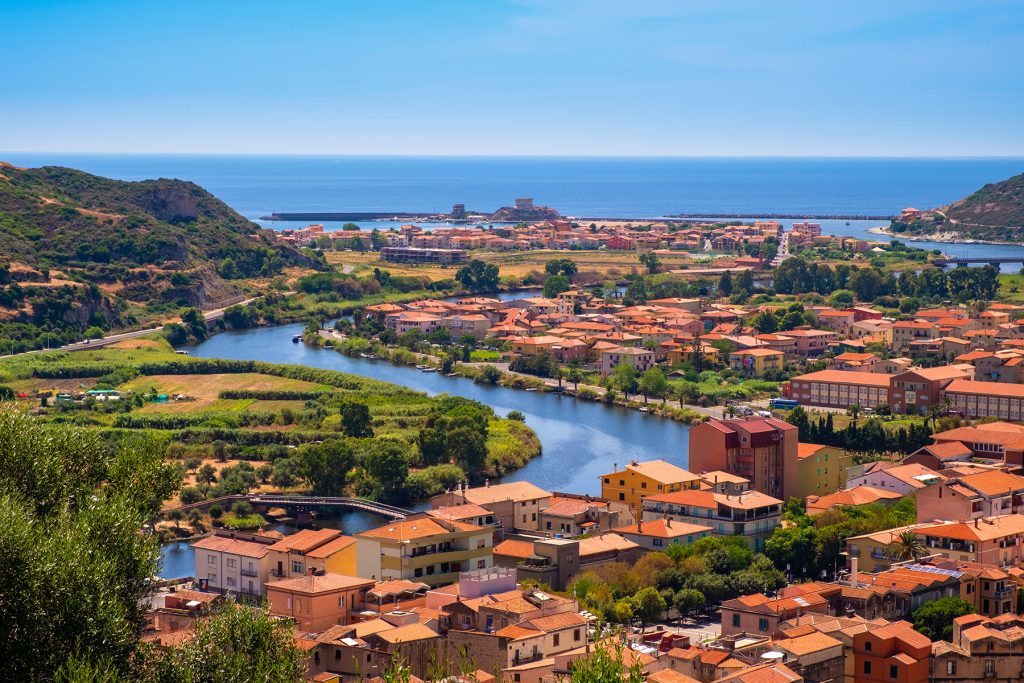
<point>330,155</point>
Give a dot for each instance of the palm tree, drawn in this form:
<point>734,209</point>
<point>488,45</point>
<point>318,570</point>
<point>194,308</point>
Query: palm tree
<point>574,376</point>
<point>906,545</point>
<point>854,412</point>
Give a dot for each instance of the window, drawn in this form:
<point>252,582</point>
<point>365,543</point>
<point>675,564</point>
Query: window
<point>341,601</point>
<point>867,646</point>
<point>894,671</point>
<point>211,559</point>
<point>481,564</point>
<point>735,620</point>
<point>867,668</point>
<point>951,668</point>
<point>607,480</point>
<point>622,482</point>
<point>762,624</point>
<point>643,485</point>
<point>297,568</point>
<point>622,496</point>
<point>556,639</point>
<point>990,667</point>
<point>232,562</point>
<point>576,635</point>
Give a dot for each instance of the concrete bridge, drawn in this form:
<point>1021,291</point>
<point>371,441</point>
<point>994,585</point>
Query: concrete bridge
<point>994,261</point>
<point>300,503</point>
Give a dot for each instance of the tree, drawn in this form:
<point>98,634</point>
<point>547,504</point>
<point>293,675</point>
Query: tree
<point>356,420</point>
<point>239,317</point>
<point>516,415</point>
<point>238,643</point>
<point>725,284</point>
<point>488,374</point>
<point>854,411</point>
<point>648,605</point>
<point>193,320</point>
<point>653,383</point>
<point>287,472</point>
<point>176,515</point>
<point>216,511</point>
<point>326,466</point>
<point>575,375</point>
<point>907,545</point>
<point>651,261</point>
<point>745,281</point>
<point>935,619</point>
<point>687,601</point>
<point>606,665</point>
<point>192,463</point>
<point>624,378</point>
<point>77,567</point>
<point>555,285</point>
<point>564,266</point>
<point>388,466</point>
<point>241,508</point>
<point>176,334</point>
<point>207,474</point>
<point>478,276</point>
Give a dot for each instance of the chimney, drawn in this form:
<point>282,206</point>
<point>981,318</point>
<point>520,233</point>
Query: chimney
<point>853,571</point>
<point>668,522</point>
<point>975,522</point>
<point>615,467</point>
<point>487,483</point>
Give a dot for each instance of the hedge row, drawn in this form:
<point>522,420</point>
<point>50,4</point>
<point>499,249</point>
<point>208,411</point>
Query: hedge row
<point>272,395</point>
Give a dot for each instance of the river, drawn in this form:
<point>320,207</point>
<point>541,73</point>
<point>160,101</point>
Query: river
<point>581,439</point>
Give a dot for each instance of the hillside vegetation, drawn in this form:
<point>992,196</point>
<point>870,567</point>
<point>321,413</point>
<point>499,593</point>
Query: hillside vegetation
<point>79,251</point>
<point>995,212</point>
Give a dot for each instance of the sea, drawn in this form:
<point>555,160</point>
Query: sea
<point>600,187</point>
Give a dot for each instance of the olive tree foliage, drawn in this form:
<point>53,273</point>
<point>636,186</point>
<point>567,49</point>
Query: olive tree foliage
<point>74,565</point>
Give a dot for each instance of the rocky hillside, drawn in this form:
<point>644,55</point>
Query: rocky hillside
<point>995,212</point>
<point>78,250</point>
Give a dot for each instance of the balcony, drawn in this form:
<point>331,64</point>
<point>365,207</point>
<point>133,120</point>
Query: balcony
<point>249,572</point>
<point>1004,593</point>
<point>535,657</point>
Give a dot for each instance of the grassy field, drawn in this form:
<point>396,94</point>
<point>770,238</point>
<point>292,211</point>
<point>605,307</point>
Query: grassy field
<point>518,264</point>
<point>205,389</point>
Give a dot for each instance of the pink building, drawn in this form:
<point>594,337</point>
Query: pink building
<point>318,601</point>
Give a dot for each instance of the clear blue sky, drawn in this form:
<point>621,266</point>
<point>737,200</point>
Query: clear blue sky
<point>566,77</point>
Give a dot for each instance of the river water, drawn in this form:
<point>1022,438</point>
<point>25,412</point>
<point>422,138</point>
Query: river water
<point>581,440</point>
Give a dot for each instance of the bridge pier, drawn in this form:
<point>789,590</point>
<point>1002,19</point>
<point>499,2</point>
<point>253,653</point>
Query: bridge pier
<point>995,265</point>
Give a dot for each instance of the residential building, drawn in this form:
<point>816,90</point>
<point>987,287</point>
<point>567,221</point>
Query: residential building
<point>983,649</point>
<point>235,563</point>
<point>660,533</point>
<point>424,549</point>
<point>572,515</point>
<point>637,480</point>
<point>903,479</point>
<point>515,505</point>
<point>760,614</point>
<point>810,342</point>
<point>323,550</point>
<point>895,652</point>
<point>640,360</point>
<point>318,601</point>
<point>966,498</point>
<point>906,331</point>
<point>756,448</point>
<point>398,254</point>
<point>852,497</point>
<point>1000,441</point>
<point>938,456</point>
<point>820,470</point>
<point>750,514</point>
<point>757,361</point>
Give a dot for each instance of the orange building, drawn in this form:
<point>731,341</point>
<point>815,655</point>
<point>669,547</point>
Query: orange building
<point>891,653</point>
<point>318,601</point>
<point>756,448</point>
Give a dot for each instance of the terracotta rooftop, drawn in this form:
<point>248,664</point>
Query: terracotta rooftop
<point>313,584</point>
<point>663,528</point>
<point>232,546</point>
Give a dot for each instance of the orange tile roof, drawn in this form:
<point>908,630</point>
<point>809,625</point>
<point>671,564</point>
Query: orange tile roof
<point>845,377</point>
<point>662,528</point>
<point>999,389</point>
<point>858,495</point>
<point>513,548</point>
<point>312,584</point>
<point>994,482</point>
<point>305,540</point>
<point>608,542</point>
<point>516,491</point>
<point>232,546</point>
<point>331,547</point>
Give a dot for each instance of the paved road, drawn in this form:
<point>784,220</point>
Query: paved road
<point>213,314</point>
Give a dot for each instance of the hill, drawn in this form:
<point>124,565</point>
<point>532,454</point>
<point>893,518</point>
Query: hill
<point>995,212</point>
<point>80,251</point>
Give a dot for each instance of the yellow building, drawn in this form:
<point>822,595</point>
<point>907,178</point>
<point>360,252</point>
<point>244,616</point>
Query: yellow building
<point>820,470</point>
<point>535,346</point>
<point>641,479</point>
<point>326,550</point>
<point>683,354</point>
<point>755,362</point>
<point>423,549</point>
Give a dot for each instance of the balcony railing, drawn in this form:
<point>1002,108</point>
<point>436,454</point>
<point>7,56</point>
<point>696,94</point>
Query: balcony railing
<point>249,572</point>
<point>1004,593</point>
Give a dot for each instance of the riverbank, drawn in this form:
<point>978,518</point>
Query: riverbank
<point>948,237</point>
